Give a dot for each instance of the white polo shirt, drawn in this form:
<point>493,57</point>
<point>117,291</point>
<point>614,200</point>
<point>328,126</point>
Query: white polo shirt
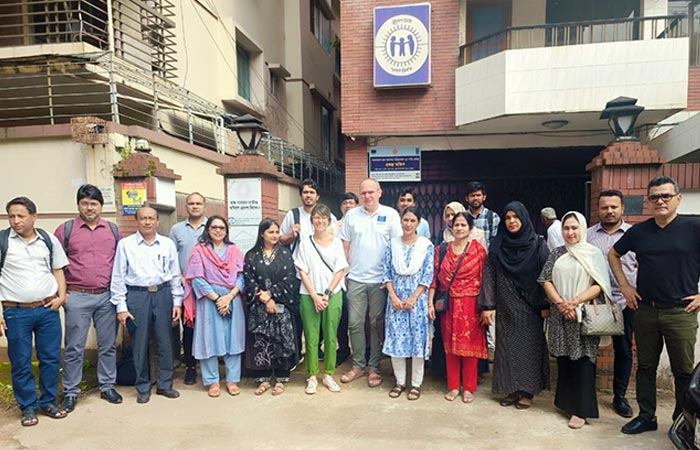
<point>27,273</point>
<point>369,236</point>
<point>307,228</point>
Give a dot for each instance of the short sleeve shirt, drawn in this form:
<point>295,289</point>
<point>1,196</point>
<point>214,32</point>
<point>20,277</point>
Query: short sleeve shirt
<point>369,235</point>
<point>668,258</point>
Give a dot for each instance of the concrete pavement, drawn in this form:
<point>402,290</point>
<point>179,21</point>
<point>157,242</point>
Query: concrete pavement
<point>356,418</point>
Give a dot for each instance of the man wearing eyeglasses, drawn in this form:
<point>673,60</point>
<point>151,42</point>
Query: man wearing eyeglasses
<point>666,299</point>
<point>90,244</point>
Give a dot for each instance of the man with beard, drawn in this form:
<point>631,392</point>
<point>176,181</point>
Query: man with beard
<point>407,197</point>
<point>484,219</point>
<point>604,234</point>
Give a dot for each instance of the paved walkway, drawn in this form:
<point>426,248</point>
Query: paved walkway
<point>356,418</point>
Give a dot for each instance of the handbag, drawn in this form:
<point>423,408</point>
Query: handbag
<point>441,298</point>
<point>601,318</point>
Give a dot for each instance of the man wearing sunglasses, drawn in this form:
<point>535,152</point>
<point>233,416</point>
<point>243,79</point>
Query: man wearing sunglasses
<point>666,299</point>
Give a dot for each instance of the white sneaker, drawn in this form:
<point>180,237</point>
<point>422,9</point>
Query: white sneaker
<point>330,383</point>
<point>311,385</point>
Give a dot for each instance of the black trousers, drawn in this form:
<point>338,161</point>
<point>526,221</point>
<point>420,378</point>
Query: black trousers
<point>576,387</point>
<point>623,355</point>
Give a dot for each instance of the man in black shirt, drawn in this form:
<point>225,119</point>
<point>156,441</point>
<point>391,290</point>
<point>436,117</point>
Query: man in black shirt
<point>666,299</point>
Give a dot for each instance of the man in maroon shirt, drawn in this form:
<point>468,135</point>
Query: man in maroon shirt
<point>90,244</point>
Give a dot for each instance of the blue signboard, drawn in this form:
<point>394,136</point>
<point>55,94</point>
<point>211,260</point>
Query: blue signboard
<point>402,45</point>
<point>394,163</point>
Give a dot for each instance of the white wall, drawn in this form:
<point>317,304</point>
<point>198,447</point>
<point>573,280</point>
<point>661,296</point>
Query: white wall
<point>573,79</point>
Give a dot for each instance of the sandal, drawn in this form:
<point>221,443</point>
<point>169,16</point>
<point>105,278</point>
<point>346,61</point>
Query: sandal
<point>396,391</point>
<point>414,393</point>
<point>451,395</point>
<point>263,387</point>
<point>214,390</point>
<point>467,397</point>
<point>523,403</point>
<point>352,375</point>
<point>233,388</point>
<point>374,379</point>
<point>278,389</point>
<point>29,418</point>
<point>576,422</point>
<point>52,411</point>
<point>510,399</point>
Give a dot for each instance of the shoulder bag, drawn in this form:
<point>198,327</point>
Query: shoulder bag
<point>601,318</point>
<point>441,299</point>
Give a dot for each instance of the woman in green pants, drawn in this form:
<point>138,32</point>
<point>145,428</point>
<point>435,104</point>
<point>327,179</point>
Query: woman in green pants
<point>321,262</point>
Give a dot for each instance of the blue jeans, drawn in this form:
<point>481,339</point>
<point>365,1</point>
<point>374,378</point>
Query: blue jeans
<point>45,324</point>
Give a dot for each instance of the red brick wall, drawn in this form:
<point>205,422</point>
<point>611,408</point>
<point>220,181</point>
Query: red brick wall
<point>694,89</point>
<point>367,110</point>
<point>356,168</point>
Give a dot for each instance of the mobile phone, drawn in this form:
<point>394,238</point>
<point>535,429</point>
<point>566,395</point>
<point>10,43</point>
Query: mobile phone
<point>279,308</point>
<point>131,325</point>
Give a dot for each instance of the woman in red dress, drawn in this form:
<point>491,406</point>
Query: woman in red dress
<point>463,336</point>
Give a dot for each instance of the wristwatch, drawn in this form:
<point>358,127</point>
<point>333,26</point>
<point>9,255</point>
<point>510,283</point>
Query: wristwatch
<point>328,292</point>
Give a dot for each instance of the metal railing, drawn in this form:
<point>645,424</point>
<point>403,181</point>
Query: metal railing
<point>100,85</point>
<point>140,31</point>
<point>575,33</point>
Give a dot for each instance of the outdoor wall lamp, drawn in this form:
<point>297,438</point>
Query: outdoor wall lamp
<point>250,132</point>
<point>622,116</point>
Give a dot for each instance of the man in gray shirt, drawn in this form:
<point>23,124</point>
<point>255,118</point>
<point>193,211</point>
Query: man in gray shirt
<point>185,235</point>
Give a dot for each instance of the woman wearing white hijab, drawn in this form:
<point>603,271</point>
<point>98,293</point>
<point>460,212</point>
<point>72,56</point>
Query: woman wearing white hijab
<point>447,235</point>
<point>574,274</point>
<point>408,272</point>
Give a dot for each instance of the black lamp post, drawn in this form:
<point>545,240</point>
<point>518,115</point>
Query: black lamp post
<point>250,131</point>
<point>622,116</point>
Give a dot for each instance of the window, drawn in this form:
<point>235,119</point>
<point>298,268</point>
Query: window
<point>274,84</point>
<point>341,143</point>
<point>320,25</point>
<point>243,62</point>
<point>326,132</point>
<point>337,56</point>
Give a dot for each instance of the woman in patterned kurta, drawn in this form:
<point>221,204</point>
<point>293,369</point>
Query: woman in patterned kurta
<point>408,272</point>
<point>521,363</point>
<point>463,337</point>
<point>271,289</point>
<point>574,274</point>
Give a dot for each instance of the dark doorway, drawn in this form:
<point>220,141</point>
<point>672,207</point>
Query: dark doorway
<point>536,177</point>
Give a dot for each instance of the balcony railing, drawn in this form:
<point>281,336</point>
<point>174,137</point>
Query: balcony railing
<point>102,86</point>
<point>575,33</point>
<point>141,31</point>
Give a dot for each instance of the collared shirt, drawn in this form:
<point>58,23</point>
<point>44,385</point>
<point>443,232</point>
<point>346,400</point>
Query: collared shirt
<point>185,237</point>
<point>307,228</point>
<point>604,241</point>
<point>138,263</point>
<point>555,238</point>
<point>27,273</point>
<point>90,253</point>
<point>423,229</point>
<point>369,235</point>
<point>481,221</point>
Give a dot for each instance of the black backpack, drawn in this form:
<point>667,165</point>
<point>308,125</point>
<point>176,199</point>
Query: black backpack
<point>297,220</point>
<point>68,229</point>
<point>5,242</point>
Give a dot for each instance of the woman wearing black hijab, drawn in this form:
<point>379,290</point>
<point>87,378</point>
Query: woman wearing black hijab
<point>516,258</point>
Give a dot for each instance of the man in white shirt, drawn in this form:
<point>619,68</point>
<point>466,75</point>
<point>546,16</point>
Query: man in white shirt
<point>366,233</point>
<point>554,236</point>
<point>297,222</point>
<point>32,290</point>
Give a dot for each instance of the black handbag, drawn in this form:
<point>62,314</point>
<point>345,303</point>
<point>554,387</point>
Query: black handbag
<point>441,300</point>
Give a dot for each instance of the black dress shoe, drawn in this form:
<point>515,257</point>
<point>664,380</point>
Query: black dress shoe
<point>622,407</point>
<point>143,398</point>
<point>640,424</point>
<point>190,375</point>
<point>69,402</point>
<point>111,396</point>
<point>169,393</point>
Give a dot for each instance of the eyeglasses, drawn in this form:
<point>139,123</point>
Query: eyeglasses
<point>217,228</point>
<point>86,204</point>
<point>656,197</point>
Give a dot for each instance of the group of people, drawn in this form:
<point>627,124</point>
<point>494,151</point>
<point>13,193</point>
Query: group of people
<point>372,281</point>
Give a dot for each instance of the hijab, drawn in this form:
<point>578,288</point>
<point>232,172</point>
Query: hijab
<point>588,255</point>
<point>517,253</point>
<point>457,207</point>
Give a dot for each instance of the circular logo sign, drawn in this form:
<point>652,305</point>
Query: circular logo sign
<point>401,45</point>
